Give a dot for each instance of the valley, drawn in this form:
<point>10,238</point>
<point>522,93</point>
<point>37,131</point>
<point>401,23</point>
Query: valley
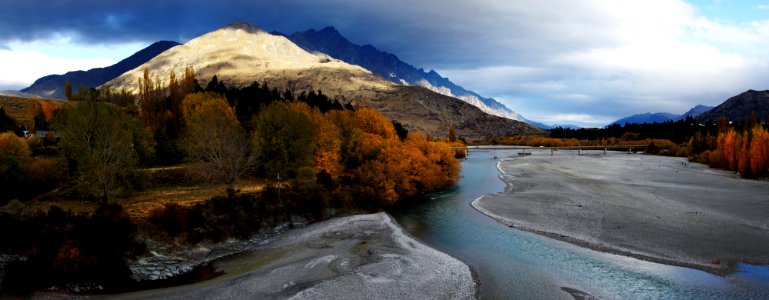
<point>247,162</point>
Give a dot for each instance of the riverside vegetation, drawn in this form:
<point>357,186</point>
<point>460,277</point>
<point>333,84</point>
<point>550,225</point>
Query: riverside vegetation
<point>329,159</point>
<point>742,147</point>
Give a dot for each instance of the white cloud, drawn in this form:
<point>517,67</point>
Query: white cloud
<point>24,62</point>
<point>762,7</point>
<point>22,67</point>
<point>621,57</point>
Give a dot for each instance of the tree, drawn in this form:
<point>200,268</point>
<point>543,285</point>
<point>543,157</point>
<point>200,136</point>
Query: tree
<point>68,89</point>
<point>283,138</point>
<point>214,138</point>
<point>100,142</point>
<point>759,151</point>
<point>151,102</point>
<point>327,141</point>
<point>452,134</point>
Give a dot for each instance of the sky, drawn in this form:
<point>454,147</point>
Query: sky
<point>586,62</point>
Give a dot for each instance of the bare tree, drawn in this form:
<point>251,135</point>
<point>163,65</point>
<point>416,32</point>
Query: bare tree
<point>100,141</point>
<point>214,138</point>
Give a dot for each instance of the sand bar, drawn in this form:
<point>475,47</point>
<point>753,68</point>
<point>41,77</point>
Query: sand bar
<point>655,208</point>
<point>355,257</point>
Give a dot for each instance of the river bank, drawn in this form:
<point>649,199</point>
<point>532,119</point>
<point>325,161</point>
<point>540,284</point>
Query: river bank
<point>655,208</point>
<point>343,258</point>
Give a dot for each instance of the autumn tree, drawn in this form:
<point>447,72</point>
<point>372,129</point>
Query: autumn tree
<point>178,88</point>
<point>452,134</point>
<point>102,145</point>
<point>68,89</point>
<point>759,151</point>
<point>214,138</point>
<point>326,142</point>
<point>283,139</point>
<point>151,102</point>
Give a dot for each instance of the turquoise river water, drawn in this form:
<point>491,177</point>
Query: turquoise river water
<point>520,265</point>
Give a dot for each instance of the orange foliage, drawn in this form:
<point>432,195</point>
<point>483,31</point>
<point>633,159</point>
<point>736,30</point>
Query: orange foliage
<point>759,151</point>
<point>48,109</point>
<point>327,140</point>
<point>371,121</point>
<point>746,152</point>
<point>385,168</point>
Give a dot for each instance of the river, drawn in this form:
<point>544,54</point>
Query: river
<point>515,264</point>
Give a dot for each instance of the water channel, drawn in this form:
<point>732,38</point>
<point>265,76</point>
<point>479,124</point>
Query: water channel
<point>520,265</point>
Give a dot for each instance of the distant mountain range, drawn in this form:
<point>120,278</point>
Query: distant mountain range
<point>736,109</point>
<point>661,117</point>
<point>694,112</point>
<point>739,107</point>
<point>329,41</point>
<point>52,86</point>
<point>240,54</point>
<point>645,118</point>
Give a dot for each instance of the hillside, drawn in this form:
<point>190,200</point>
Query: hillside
<point>241,54</point>
<point>739,107</point>
<point>23,110</point>
<point>388,66</point>
<point>52,86</point>
<point>435,113</point>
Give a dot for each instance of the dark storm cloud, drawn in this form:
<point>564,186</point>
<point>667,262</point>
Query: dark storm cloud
<point>455,33</point>
<point>582,61</point>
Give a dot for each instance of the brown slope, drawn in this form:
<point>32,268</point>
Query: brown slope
<point>739,107</point>
<point>420,109</point>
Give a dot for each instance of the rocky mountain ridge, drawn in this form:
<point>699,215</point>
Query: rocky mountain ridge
<point>329,41</point>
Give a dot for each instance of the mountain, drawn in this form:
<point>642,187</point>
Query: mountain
<point>739,107</point>
<point>240,54</point>
<point>646,118</point>
<point>388,66</point>
<point>52,86</point>
<point>662,117</point>
<point>694,112</point>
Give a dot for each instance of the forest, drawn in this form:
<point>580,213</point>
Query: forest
<point>316,157</point>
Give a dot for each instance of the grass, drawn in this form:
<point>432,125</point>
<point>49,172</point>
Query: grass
<point>142,203</point>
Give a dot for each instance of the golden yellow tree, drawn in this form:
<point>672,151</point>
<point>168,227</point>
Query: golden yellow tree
<point>215,140</point>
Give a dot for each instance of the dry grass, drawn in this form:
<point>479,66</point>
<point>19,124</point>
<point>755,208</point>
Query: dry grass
<point>141,204</point>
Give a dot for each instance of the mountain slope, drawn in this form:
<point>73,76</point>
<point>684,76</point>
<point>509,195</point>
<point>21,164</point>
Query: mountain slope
<point>331,42</point>
<point>241,54</point>
<point>694,112</point>
<point>646,118</point>
<point>739,107</point>
<point>52,86</point>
